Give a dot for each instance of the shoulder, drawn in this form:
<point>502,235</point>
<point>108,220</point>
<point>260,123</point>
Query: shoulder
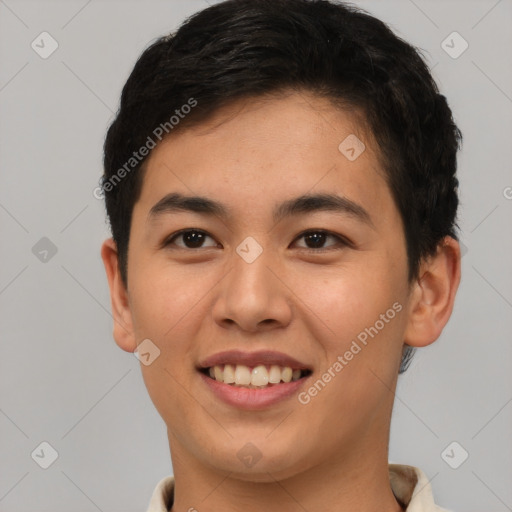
<point>162,497</point>
<point>412,489</point>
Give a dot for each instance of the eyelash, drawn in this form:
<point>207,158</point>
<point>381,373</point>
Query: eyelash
<point>341,241</point>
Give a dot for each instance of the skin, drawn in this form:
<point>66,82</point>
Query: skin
<point>332,453</point>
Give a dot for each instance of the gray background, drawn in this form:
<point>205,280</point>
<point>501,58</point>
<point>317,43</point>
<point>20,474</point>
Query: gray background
<point>62,378</point>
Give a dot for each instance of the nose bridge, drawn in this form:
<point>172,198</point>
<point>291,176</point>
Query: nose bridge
<point>250,278</point>
<point>251,295</point>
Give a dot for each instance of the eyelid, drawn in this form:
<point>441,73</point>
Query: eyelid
<point>342,241</point>
<point>168,240</point>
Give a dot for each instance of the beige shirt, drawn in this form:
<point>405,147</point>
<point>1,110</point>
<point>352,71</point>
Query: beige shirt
<point>408,483</point>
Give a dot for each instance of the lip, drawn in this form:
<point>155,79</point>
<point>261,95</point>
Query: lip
<point>253,399</point>
<point>252,359</point>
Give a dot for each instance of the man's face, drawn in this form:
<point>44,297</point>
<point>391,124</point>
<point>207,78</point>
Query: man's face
<point>253,283</point>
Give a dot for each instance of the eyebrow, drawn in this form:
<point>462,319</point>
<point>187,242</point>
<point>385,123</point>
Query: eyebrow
<point>306,203</point>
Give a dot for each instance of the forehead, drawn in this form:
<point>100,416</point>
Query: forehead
<point>265,148</point>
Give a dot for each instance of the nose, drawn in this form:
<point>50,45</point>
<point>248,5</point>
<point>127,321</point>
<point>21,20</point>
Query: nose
<point>252,298</point>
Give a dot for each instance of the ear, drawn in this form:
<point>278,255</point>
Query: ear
<point>121,313</point>
<point>433,294</point>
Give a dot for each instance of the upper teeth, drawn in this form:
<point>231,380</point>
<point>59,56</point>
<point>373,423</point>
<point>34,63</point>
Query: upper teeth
<point>259,376</point>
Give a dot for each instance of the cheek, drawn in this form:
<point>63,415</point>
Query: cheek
<point>345,300</point>
<point>163,298</point>
<point>358,314</point>
<point>167,308</point>
<point>359,324</point>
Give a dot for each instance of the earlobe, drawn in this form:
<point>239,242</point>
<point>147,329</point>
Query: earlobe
<point>121,313</point>
<point>433,295</point>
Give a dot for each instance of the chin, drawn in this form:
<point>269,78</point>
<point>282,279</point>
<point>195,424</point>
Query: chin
<point>257,461</point>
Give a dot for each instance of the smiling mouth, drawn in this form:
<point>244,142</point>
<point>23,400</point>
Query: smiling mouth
<point>257,377</point>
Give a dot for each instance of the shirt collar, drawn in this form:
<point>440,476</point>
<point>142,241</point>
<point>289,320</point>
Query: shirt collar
<point>408,483</point>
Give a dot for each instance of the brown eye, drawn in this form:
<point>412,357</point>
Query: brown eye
<point>191,239</point>
<point>316,239</point>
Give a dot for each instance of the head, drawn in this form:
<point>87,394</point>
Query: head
<point>256,104</point>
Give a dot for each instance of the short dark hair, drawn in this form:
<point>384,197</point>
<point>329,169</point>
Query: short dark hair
<point>249,48</point>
